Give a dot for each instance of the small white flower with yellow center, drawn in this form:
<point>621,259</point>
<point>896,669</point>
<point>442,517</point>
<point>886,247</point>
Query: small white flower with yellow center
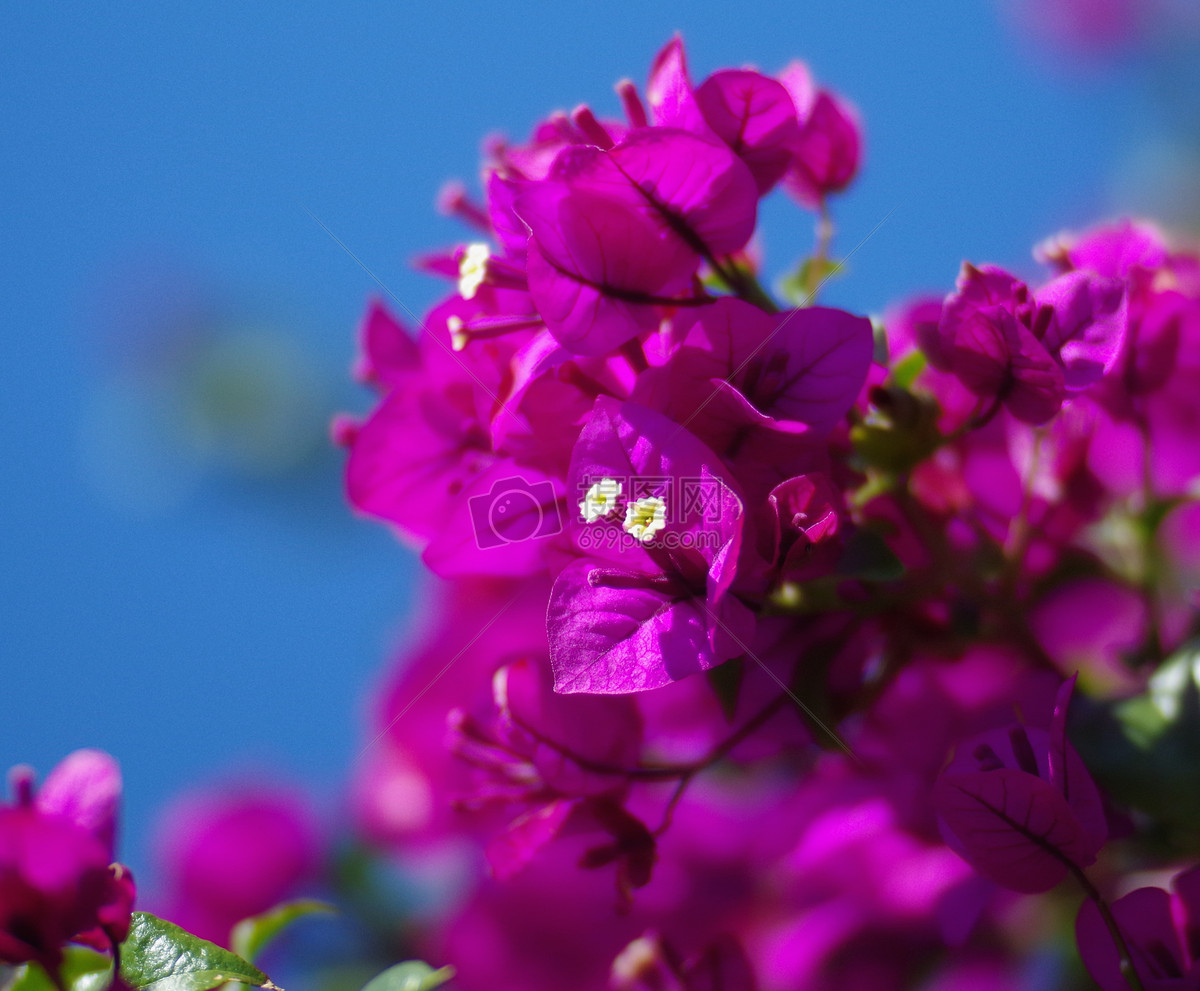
<point>645,517</point>
<point>472,269</point>
<point>601,499</point>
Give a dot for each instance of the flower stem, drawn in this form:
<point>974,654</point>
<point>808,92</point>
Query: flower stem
<point>818,264</point>
<point>1128,970</point>
<point>743,285</point>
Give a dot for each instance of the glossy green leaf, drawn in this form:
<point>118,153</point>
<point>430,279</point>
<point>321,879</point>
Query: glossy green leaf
<point>82,970</point>
<point>251,936</point>
<point>412,975</point>
<point>159,956</point>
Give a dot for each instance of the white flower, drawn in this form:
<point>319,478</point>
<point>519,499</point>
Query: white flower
<point>601,499</point>
<point>645,517</point>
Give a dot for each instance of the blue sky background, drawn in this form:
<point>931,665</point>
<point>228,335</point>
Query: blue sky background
<point>165,596</point>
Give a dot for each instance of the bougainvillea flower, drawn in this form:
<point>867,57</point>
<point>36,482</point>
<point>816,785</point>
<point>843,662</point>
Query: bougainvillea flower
<point>407,781</point>
<point>1020,806</point>
<point>1029,352</point>
<point>411,459</point>
<point>634,615</point>
<point>778,127</point>
<point>232,852</point>
<point>997,357</point>
<point>1086,327</point>
<point>1162,308</point>
<point>568,737</point>
<point>868,899</point>
<point>738,367</point>
<point>1088,625</point>
<point>615,631</point>
<point>807,520</point>
<point>615,231</point>
<point>908,544</point>
<point>550,396</point>
<point>85,787</point>
<point>533,159</point>
<point>387,353</point>
<point>827,152</point>
<point>670,93</point>
<point>545,753</point>
<point>593,296</point>
<point>983,339</point>
<point>1159,321</point>
<point>499,524</point>
<point>754,115</point>
<point>510,231</point>
<point>58,884</point>
<point>1160,930</point>
<point>1115,250</point>
<point>1153,400</point>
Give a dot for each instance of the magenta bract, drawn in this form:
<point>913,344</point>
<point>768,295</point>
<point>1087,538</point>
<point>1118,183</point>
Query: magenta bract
<point>1020,806</point>
<point>827,153</point>
<point>754,115</point>
<point>634,615</point>
<point>58,884</point>
<point>1030,352</point>
<point>737,368</point>
<point>1160,930</point>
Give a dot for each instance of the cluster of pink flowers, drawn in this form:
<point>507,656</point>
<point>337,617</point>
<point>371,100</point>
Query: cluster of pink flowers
<point>758,635</point>
<point>739,605</point>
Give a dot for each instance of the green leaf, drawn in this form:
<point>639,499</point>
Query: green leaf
<point>1168,705</point>
<point>1145,750</point>
<point>900,431</point>
<point>251,936</point>
<point>798,287</point>
<point>412,975</point>
<point>726,683</point>
<point>30,977</point>
<point>82,970</point>
<point>868,557</point>
<point>906,370</point>
<point>159,956</point>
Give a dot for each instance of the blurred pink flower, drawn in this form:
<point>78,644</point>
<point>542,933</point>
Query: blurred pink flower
<point>58,884</point>
<point>231,852</point>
